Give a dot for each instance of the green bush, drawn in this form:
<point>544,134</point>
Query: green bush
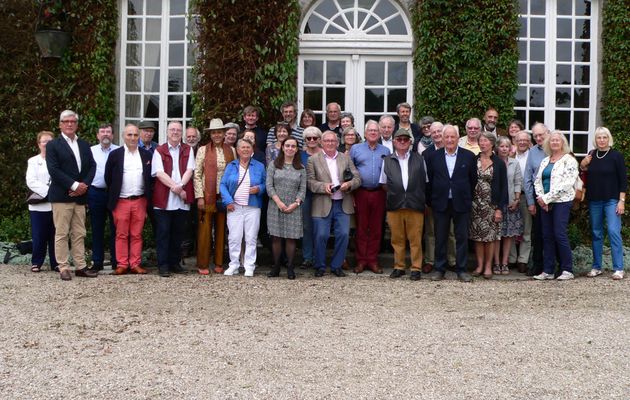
<point>15,228</point>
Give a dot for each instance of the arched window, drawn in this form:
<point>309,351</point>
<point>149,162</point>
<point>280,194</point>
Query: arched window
<point>356,53</point>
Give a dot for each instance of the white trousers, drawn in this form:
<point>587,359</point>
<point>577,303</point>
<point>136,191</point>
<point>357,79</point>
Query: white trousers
<point>244,221</point>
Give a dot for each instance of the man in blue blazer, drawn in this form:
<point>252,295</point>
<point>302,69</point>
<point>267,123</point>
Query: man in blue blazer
<point>452,174</point>
<point>72,168</point>
<point>129,183</point>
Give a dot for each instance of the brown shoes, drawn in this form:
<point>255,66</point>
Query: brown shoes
<point>345,266</point>
<point>218,270</point>
<point>120,271</point>
<point>521,267</point>
<point>359,268</point>
<point>65,275</point>
<point>138,270</point>
<point>85,273</point>
<point>427,268</point>
<point>375,268</point>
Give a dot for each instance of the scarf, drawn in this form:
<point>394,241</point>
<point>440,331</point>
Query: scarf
<point>210,170</point>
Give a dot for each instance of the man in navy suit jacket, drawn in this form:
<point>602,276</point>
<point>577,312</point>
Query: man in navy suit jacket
<point>128,179</point>
<point>452,174</point>
<point>72,168</point>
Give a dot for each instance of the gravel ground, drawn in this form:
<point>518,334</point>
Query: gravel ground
<point>359,337</point>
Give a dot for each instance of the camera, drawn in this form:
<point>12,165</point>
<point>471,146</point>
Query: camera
<point>335,188</point>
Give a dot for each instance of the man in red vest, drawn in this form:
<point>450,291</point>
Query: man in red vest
<point>173,164</point>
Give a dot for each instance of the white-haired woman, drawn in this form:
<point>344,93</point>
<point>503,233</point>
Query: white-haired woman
<point>606,187</point>
<point>555,191</point>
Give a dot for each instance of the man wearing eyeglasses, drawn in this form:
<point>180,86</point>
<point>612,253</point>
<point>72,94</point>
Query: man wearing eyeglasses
<point>333,119</point>
<point>471,140</point>
<point>289,115</point>
<point>72,168</point>
<point>404,177</point>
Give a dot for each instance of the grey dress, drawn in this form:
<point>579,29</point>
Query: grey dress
<point>289,184</point>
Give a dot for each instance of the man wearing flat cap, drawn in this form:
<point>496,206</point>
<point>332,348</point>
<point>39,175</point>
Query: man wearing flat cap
<point>404,177</point>
<point>210,164</point>
<point>147,131</point>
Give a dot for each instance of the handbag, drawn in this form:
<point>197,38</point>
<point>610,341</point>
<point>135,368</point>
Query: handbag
<point>347,175</point>
<point>580,192</point>
<point>34,198</point>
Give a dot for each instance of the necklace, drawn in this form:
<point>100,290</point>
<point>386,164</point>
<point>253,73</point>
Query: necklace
<point>597,154</point>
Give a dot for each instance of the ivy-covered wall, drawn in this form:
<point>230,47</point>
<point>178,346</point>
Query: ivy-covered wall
<point>465,59</point>
<point>35,90</point>
<point>247,55</point>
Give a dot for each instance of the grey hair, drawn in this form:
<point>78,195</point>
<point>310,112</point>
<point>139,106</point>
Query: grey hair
<point>491,137</point>
<point>68,113</point>
<point>477,120</point>
<point>312,130</point>
<point>370,122</point>
<point>232,125</point>
<point>602,130</point>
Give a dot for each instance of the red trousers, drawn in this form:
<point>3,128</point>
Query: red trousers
<point>129,216</point>
<point>370,211</point>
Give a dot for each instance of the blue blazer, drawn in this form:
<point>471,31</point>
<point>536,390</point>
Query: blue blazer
<point>461,184</point>
<point>257,177</point>
<point>62,167</point>
<point>114,175</point>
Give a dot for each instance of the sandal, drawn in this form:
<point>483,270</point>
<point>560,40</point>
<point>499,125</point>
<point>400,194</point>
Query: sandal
<point>496,269</point>
<point>35,268</point>
<point>505,270</point>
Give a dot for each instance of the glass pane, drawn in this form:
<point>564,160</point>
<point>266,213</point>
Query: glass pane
<point>522,7</point>
<point>327,9</point>
<point>374,100</point>
<point>152,55</point>
<point>177,29</point>
<point>341,22</point>
<point>582,51</point>
<point>175,106</point>
<point>563,51</point>
<point>581,98</point>
<point>132,106</point>
<point>563,74</point>
<point>151,106</point>
<point>189,106</point>
<point>522,73</point>
<point>521,115</point>
<point>313,98</point>
<point>189,80</point>
<point>360,17</point>
<point>375,73</point>
<point>384,9</point>
<point>176,54</point>
<point>537,97</point>
<point>345,4</point>
<point>192,53</point>
<point>379,30</point>
<point>314,25</point>
<point>563,120</point>
<point>563,98</point>
<point>537,51</point>
<point>154,29</point>
<point>337,95</point>
<point>582,75</point>
<point>132,83</point>
<point>536,74</point>
<point>537,7</point>
<point>520,98</point>
<point>580,121</point>
<point>523,29</point>
<point>580,144</point>
<point>154,7</point>
<point>313,71</point>
<point>396,26</point>
<point>537,28</point>
<point>336,72</point>
<point>583,8</point>
<point>564,7</point>
<point>175,80</point>
<point>178,7</point>
<point>134,54</point>
<point>152,80</point>
<point>134,29</point>
<point>371,22</point>
<point>397,73</point>
<point>583,28</point>
<point>522,50</point>
<point>536,116</point>
<point>134,7</point>
<point>563,25</point>
<point>395,97</point>
<point>331,30</point>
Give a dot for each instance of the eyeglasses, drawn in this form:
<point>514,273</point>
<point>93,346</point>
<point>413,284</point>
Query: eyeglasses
<point>402,139</point>
<point>69,121</point>
<point>311,138</point>
<point>290,146</point>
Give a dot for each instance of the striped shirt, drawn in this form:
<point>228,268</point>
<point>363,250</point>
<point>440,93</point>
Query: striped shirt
<point>241,197</point>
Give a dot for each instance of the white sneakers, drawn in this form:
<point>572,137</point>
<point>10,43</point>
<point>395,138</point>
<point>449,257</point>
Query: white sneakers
<point>231,271</point>
<point>249,272</point>
<point>594,272</point>
<point>618,275</point>
<point>565,276</point>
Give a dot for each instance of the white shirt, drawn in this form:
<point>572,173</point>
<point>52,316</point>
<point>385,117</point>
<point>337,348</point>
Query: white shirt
<point>100,155</point>
<point>404,170</point>
<point>522,161</point>
<point>174,201</point>
<point>132,179</point>
<point>451,159</point>
<point>241,197</point>
<point>331,162</point>
<point>74,146</point>
<point>388,143</point>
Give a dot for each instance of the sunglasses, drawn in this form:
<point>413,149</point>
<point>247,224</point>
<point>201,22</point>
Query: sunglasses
<point>311,138</point>
<point>402,139</point>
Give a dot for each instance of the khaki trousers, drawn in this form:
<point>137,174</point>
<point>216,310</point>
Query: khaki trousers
<point>69,220</point>
<point>206,220</point>
<point>525,246</point>
<point>406,225</point>
<point>429,241</point>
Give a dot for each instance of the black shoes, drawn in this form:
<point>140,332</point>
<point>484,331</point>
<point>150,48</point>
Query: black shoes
<point>319,273</point>
<point>397,273</point>
<point>275,272</point>
<point>338,273</point>
<point>415,275</point>
<point>290,272</point>
<point>177,269</point>
<point>164,272</point>
<point>85,273</point>
<point>438,276</point>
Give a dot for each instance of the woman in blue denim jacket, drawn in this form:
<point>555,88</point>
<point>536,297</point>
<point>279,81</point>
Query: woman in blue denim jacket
<point>242,189</point>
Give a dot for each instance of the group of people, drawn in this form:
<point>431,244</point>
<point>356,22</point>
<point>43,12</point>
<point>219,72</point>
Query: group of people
<point>298,181</point>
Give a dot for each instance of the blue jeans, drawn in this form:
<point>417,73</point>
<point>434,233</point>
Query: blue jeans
<point>599,210</point>
<point>169,232</point>
<point>341,227</point>
<point>307,238</point>
<point>43,235</point>
<point>97,204</point>
<point>556,238</point>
